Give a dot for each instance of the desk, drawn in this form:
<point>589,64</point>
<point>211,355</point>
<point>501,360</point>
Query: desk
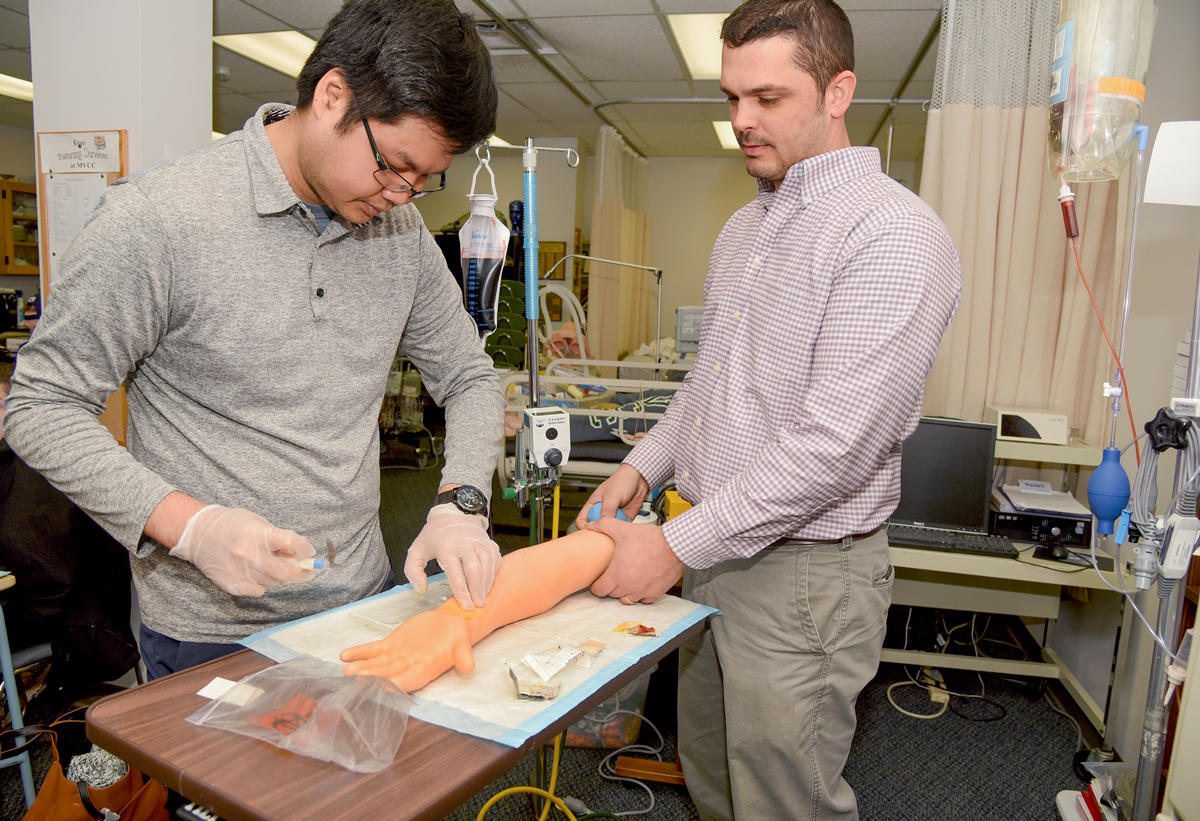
<point>1030,588</point>
<point>242,779</point>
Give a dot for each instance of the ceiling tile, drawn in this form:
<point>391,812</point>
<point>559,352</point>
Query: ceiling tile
<point>299,14</point>
<point>520,68</point>
<point>886,42</point>
<point>550,101</point>
<point>14,28</point>
<point>246,76</point>
<point>238,17</point>
<point>503,7</point>
<point>637,90</point>
<point>16,113</point>
<point>615,48</point>
<point>583,8</point>
<point>889,5</point>
<point>696,6</point>
<point>15,62</point>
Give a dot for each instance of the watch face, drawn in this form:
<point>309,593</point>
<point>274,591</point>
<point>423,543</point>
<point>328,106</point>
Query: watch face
<point>470,499</point>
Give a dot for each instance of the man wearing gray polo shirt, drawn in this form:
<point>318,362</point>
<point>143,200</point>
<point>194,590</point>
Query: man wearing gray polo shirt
<point>825,301</point>
<point>251,295</point>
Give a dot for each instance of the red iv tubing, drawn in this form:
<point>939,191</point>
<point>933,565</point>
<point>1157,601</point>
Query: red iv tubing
<point>1066,198</point>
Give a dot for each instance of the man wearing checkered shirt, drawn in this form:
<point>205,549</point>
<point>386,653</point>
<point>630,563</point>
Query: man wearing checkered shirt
<point>824,305</point>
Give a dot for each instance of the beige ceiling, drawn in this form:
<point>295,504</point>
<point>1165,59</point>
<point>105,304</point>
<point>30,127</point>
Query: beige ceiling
<point>603,51</point>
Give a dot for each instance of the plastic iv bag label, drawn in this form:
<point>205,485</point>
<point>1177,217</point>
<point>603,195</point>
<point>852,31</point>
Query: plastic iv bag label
<point>1060,68</point>
<point>484,242</point>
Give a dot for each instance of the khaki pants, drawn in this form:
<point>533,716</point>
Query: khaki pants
<point>767,689</point>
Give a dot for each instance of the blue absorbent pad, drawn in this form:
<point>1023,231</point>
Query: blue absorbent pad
<point>484,703</point>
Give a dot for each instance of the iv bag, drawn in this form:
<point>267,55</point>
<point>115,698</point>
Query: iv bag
<point>484,242</point>
<point>1097,86</point>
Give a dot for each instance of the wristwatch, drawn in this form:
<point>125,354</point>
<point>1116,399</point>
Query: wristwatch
<point>466,498</point>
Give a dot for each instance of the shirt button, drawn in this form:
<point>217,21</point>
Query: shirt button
<point>808,200</point>
<point>756,262</point>
<point>320,292</point>
<point>714,562</point>
<point>697,421</point>
<point>684,474</point>
<point>737,314</point>
<point>717,368</point>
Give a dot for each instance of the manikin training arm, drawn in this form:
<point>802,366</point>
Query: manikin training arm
<point>529,581</point>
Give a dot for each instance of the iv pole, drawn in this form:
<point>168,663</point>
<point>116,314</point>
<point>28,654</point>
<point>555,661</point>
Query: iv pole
<point>529,154</point>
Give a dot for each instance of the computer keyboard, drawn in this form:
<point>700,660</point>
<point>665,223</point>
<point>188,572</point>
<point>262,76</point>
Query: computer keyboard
<point>970,544</point>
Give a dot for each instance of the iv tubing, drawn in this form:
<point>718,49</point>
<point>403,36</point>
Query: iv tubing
<point>1142,133</point>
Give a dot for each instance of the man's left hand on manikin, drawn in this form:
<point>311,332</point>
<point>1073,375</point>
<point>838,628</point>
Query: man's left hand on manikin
<point>643,565</point>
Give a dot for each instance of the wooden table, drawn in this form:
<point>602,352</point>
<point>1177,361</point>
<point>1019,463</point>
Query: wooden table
<point>243,779</point>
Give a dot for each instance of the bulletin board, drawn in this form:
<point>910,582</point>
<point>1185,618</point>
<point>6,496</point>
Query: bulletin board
<point>74,168</point>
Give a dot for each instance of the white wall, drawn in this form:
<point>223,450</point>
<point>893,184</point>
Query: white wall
<point>690,200</point>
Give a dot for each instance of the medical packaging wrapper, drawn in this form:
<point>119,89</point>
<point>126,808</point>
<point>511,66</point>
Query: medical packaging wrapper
<point>307,706</point>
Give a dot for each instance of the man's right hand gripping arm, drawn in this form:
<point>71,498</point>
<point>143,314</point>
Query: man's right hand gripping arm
<point>240,551</point>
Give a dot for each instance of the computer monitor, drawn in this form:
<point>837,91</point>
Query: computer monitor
<point>946,475</point>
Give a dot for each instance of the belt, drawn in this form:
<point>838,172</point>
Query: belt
<point>845,541</point>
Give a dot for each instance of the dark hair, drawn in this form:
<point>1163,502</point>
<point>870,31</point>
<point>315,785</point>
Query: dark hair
<point>408,57</point>
<point>820,29</point>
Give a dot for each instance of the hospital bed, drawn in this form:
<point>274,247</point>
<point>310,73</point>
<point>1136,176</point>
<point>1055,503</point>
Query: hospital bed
<point>590,462</point>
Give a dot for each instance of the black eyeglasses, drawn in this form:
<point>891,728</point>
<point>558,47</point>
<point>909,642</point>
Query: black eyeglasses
<point>390,179</point>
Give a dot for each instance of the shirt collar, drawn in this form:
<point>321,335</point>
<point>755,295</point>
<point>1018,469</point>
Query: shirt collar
<point>811,179</point>
<point>272,193</point>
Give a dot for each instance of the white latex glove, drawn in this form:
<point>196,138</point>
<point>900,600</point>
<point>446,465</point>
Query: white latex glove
<point>460,543</point>
<point>242,552</point>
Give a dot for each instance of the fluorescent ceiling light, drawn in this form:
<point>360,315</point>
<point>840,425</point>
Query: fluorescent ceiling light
<point>494,140</point>
<point>284,51</point>
<point>217,135</point>
<point>12,87</point>
<point>724,130</point>
<point>699,38</point>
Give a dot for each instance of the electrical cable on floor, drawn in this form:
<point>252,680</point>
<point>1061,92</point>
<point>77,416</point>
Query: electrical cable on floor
<point>558,802</point>
<point>553,800</point>
<point>643,749</point>
<point>899,709</point>
<point>1056,706</point>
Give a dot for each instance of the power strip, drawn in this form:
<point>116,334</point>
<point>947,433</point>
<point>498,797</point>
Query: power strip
<point>933,682</point>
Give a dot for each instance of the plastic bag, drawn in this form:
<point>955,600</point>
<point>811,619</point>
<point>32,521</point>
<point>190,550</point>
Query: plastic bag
<point>1115,783</point>
<point>308,706</point>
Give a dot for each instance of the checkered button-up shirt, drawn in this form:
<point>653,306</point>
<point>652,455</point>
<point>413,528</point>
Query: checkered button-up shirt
<point>823,309</point>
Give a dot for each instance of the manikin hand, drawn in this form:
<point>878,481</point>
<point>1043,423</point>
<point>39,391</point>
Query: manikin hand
<point>241,551</point>
<point>643,565</point>
<point>460,543</point>
<point>625,489</point>
<point>418,651</point>
<point>529,581</point>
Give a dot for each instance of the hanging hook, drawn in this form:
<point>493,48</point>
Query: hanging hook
<point>484,162</point>
<point>486,156</point>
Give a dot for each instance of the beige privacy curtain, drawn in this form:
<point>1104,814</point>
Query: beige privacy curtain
<point>1026,335</point>
<point>621,301</point>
